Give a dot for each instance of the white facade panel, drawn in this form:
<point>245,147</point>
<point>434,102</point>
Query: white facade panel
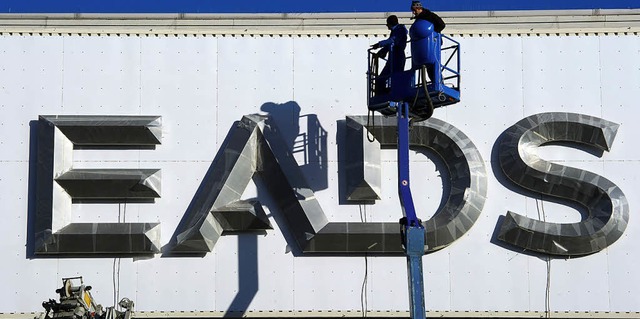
<point>245,83</point>
<point>178,80</point>
<point>622,258</point>
<point>561,74</point>
<point>32,57</point>
<point>387,290</point>
<point>620,94</point>
<point>101,74</point>
<point>201,85</point>
<point>495,102</point>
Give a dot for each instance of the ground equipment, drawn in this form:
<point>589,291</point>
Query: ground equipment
<point>76,302</point>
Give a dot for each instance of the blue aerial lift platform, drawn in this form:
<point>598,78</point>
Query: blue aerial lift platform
<point>409,96</point>
<point>428,84</point>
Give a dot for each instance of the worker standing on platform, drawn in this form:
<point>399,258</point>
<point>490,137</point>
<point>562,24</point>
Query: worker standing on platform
<point>396,44</point>
<point>421,13</point>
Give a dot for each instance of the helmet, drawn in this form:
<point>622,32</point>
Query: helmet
<point>416,4</point>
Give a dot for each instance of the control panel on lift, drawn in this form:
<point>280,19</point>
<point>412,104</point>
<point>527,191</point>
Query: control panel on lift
<point>432,81</point>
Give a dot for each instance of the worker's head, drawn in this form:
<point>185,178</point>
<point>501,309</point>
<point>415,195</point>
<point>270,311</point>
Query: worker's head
<point>392,21</point>
<point>416,7</point>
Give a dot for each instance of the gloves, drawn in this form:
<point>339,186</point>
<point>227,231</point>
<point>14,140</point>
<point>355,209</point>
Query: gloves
<point>375,46</point>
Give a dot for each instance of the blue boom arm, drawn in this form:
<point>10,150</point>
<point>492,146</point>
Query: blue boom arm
<point>410,96</point>
<point>411,229</point>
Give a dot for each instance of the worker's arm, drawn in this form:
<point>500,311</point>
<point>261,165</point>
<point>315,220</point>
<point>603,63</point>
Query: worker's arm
<point>398,34</point>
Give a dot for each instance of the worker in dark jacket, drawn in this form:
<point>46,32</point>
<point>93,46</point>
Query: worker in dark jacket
<point>421,13</point>
<point>396,61</point>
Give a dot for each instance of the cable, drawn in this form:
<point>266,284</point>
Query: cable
<point>373,69</point>
<point>422,79</point>
<point>548,290</point>
<point>426,90</point>
<point>122,212</point>
<point>364,291</point>
<point>371,115</point>
<point>415,99</point>
<point>364,294</point>
<point>547,295</point>
<point>116,280</point>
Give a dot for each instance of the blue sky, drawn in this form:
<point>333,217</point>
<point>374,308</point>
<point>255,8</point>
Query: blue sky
<point>289,6</point>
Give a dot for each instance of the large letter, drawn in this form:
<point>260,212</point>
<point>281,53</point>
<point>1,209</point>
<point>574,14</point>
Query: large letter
<point>608,210</point>
<point>58,185</point>
<point>468,184</point>
<point>249,149</point>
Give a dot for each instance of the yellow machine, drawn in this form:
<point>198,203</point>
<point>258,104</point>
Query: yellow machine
<point>76,302</point>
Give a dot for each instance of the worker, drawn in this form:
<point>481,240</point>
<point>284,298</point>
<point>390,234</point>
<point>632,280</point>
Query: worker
<point>396,44</point>
<point>421,13</point>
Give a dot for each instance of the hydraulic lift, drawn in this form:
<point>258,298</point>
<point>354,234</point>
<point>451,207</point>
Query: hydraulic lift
<point>409,96</point>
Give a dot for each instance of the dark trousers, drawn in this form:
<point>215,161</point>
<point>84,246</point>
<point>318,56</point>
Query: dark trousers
<point>385,74</point>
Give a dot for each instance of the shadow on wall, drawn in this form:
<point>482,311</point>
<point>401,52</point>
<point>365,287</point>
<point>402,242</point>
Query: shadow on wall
<point>247,276</point>
<point>305,137</point>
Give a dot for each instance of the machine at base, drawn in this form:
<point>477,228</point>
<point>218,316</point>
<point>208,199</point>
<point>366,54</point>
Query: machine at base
<point>76,302</point>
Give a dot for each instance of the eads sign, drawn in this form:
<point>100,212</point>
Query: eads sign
<point>254,146</point>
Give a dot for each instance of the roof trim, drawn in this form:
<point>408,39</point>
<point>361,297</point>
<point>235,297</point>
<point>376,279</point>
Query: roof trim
<point>479,22</point>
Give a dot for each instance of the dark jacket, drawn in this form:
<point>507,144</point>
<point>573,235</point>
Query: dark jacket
<point>398,38</point>
<point>438,23</point>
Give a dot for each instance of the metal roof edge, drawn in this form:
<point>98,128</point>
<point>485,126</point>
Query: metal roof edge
<point>482,22</point>
<point>338,15</point>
